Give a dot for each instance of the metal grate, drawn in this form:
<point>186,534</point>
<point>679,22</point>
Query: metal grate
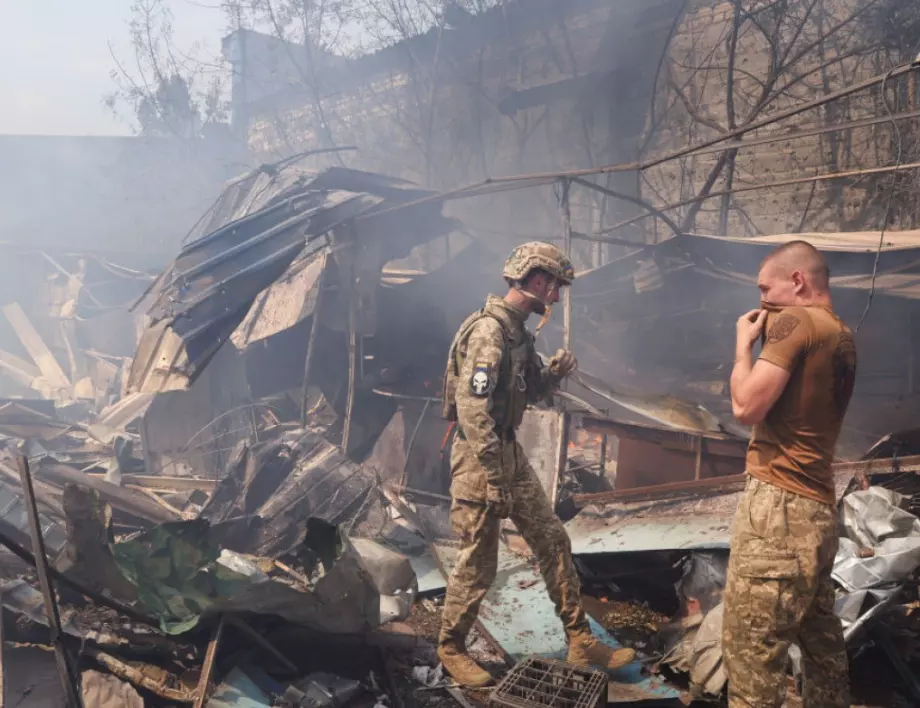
<point>544,682</point>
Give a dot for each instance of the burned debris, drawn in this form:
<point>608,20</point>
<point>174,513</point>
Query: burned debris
<point>230,567</point>
<point>254,509</point>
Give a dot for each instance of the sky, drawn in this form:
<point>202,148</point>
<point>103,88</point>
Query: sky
<point>55,62</point>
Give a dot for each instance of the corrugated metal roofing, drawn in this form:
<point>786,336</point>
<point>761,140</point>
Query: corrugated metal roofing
<point>264,229</point>
<point>847,241</point>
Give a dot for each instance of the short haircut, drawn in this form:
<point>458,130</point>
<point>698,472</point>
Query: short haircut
<point>801,255</point>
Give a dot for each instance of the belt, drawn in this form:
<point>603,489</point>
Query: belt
<point>507,436</point>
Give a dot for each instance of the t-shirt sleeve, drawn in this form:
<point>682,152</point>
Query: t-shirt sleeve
<point>786,339</point>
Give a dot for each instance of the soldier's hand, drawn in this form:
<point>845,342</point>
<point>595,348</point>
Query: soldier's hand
<point>563,363</point>
<point>749,328</point>
<point>498,500</point>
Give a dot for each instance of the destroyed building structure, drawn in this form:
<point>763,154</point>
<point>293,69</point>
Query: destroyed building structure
<point>259,479</point>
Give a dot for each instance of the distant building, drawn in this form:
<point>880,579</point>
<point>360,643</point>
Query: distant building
<point>541,85</point>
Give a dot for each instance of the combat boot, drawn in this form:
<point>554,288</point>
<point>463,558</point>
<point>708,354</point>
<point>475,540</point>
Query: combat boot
<point>587,650</point>
<point>462,668</point>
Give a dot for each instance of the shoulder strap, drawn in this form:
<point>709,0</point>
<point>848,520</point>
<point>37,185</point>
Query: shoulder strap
<point>465,331</point>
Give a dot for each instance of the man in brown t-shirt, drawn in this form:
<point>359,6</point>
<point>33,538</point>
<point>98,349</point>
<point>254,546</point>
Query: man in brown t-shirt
<point>784,537</point>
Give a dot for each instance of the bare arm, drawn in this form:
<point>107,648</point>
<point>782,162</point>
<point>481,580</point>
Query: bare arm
<point>756,387</point>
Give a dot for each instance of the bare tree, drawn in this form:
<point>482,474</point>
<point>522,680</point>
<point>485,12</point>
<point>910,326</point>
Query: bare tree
<point>768,55</point>
<point>165,91</point>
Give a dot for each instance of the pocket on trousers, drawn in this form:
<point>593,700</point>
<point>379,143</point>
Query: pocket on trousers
<point>783,566</point>
<point>766,592</point>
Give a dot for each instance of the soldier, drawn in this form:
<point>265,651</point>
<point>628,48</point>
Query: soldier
<point>784,536</point>
<point>493,372</point>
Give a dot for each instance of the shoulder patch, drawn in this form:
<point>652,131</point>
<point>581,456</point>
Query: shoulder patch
<point>482,382</point>
<point>782,327</point>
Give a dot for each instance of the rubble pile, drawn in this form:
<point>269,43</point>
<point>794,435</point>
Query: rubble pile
<point>253,510</point>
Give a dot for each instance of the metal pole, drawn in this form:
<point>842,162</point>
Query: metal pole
<point>352,347</point>
<point>562,441</point>
<point>2,682</point>
<point>567,247</point>
<point>311,344</point>
<point>65,670</point>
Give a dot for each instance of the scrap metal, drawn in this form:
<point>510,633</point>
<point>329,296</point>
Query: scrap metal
<point>264,229</point>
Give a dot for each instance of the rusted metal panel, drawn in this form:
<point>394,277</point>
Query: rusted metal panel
<point>641,463</point>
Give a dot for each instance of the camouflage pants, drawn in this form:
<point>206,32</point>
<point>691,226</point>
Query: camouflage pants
<point>478,530</point>
<point>778,592</point>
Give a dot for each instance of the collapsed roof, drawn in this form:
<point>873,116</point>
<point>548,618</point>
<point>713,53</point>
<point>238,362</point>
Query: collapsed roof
<point>269,228</point>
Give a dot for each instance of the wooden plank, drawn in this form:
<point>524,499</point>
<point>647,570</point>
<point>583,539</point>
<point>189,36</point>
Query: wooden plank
<point>207,669</point>
<point>129,500</point>
<point>152,481</point>
<point>37,349</point>
<point>23,371</point>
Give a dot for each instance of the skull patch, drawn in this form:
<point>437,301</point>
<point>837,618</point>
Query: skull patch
<point>481,382</point>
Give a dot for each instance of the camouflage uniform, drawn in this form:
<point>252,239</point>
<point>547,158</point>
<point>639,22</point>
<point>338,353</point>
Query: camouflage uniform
<point>779,592</point>
<point>498,374</point>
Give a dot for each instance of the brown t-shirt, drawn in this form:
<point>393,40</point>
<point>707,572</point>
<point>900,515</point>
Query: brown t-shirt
<point>793,447</point>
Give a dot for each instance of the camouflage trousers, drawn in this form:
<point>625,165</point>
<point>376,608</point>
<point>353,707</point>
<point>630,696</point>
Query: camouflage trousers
<point>778,592</point>
<point>478,530</point>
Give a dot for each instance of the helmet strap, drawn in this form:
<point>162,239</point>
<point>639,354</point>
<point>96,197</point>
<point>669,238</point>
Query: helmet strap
<point>530,296</point>
<point>547,313</point>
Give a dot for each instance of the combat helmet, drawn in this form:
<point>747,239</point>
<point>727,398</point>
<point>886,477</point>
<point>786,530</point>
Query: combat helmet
<point>539,254</point>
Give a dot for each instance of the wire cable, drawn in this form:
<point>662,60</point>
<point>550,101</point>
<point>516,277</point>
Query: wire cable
<point>894,180</point>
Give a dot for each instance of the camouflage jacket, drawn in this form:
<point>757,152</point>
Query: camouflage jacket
<point>493,372</point>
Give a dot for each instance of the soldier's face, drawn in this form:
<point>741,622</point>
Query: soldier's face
<point>546,288</point>
<point>779,286</point>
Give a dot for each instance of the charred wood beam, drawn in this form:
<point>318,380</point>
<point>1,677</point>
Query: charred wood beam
<point>151,680</point>
<point>130,501</point>
<point>207,669</point>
